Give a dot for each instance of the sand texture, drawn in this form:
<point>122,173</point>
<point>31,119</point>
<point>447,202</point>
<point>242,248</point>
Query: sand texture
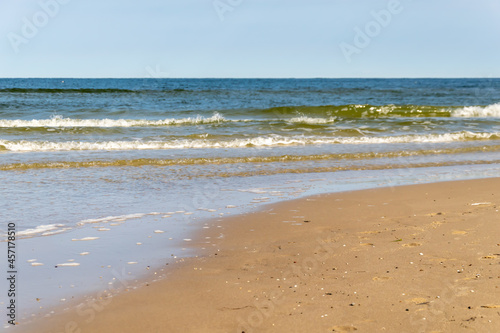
<point>422,258</point>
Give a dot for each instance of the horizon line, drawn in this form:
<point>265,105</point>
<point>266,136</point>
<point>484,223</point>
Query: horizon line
<point>243,78</point>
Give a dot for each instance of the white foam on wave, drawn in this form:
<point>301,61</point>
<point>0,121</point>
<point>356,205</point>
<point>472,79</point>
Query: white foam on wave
<point>84,239</point>
<point>254,190</point>
<point>55,232</point>
<point>490,111</point>
<point>262,141</point>
<point>312,121</point>
<point>53,229</point>
<point>59,121</point>
<point>118,218</point>
<point>430,138</point>
<point>41,229</point>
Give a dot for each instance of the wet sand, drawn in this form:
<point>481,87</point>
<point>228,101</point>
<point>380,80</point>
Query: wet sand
<point>421,258</point>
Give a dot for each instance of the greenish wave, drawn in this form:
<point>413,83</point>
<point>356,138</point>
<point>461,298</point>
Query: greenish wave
<point>393,166</point>
<point>247,159</point>
<point>384,111</point>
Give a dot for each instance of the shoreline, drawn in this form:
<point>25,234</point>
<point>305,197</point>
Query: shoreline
<point>41,297</point>
<point>259,253</point>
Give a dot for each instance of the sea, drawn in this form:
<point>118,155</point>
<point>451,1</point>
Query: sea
<point>106,181</point>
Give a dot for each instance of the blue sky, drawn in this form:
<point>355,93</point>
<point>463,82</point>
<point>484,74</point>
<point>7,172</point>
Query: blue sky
<point>249,38</point>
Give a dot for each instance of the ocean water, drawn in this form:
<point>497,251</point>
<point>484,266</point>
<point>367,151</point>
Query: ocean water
<point>114,175</point>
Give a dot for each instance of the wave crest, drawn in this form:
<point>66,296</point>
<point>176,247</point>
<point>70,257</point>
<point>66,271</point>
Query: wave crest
<point>490,111</point>
<point>260,141</point>
<point>59,121</point>
<point>312,121</point>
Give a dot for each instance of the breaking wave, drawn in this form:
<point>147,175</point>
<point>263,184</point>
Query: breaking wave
<point>58,121</point>
<point>259,141</point>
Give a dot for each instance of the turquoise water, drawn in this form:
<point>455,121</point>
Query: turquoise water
<point>99,166</point>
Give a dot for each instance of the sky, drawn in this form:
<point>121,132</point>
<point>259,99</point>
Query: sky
<point>249,38</point>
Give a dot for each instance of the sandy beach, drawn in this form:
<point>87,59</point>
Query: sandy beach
<point>420,258</point>
<point>250,166</point>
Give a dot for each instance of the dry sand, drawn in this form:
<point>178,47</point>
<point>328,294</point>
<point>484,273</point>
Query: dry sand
<point>422,258</point>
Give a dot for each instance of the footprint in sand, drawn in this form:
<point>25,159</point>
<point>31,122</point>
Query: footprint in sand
<point>344,329</point>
